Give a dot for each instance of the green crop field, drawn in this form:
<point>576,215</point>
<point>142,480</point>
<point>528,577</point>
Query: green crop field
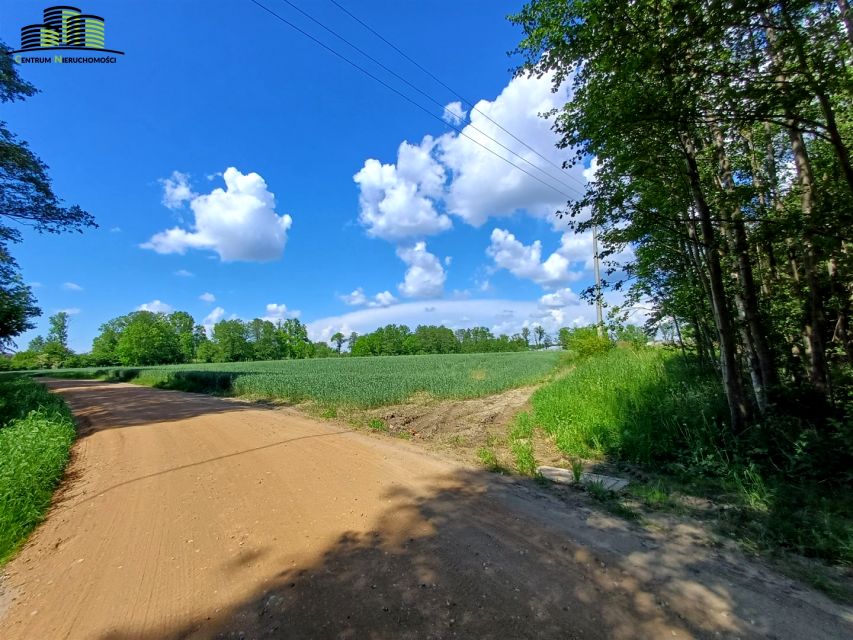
<point>361,382</point>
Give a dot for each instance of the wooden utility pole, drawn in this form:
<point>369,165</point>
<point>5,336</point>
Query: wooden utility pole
<point>599,320</point>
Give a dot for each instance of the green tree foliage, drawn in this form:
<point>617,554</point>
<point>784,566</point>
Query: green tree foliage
<point>183,326</point>
<point>208,352</point>
<point>51,352</point>
<point>232,339</point>
<point>436,339</point>
<point>393,340</point>
<point>26,198</point>
<point>631,335</point>
<point>148,338</point>
<point>17,302</point>
<point>54,351</point>
<point>58,331</point>
<point>721,132</point>
<point>584,341</point>
<point>539,336</point>
<point>293,339</point>
<point>265,343</point>
<point>104,346</point>
<point>323,350</point>
<point>338,340</point>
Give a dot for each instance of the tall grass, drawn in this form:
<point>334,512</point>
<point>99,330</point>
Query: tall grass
<point>360,382</point>
<point>786,483</point>
<point>36,432</point>
<point>638,404</point>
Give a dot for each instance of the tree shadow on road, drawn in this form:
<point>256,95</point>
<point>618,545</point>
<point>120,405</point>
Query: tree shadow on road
<point>117,405</point>
<point>481,557</point>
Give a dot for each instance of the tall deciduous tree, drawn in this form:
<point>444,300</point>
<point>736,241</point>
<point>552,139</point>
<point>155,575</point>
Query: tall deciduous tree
<point>695,112</point>
<point>338,340</point>
<point>147,338</point>
<point>26,199</point>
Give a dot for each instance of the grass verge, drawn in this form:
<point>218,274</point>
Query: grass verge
<point>782,489</point>
<point>521,444</point>
<point>36,432</point>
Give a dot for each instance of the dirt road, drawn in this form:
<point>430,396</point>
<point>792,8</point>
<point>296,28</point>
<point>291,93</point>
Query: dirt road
<point>186,516</point>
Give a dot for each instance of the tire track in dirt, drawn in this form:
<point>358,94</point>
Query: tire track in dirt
<point>186,516</point>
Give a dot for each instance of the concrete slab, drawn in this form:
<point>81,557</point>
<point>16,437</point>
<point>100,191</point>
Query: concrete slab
<point>565,476</point>
<point>556,474</point>
<point>610,483</point>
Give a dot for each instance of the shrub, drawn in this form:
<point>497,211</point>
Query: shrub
<point>584,341</point>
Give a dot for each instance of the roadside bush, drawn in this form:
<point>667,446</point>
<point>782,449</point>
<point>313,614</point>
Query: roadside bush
<point>631,335</point>
<point>36,432</point>
<point>584,341</point>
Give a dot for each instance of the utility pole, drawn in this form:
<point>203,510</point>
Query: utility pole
<point>598,311</point>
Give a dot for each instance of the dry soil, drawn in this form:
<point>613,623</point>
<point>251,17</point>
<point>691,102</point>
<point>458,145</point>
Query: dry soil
<point>186,516</point>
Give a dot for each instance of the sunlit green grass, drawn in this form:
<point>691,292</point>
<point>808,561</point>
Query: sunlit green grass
<point>637,404</point>
<point>36,432</point>
<point>658,409</point>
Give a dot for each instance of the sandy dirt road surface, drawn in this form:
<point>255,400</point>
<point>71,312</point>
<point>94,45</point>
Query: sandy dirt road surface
<point>185,516</point>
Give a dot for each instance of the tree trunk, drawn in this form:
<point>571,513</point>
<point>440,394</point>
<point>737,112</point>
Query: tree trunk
<point>752,329</point>
<point>815,323</point>
<point>817,87</point>
<point>692,250</point>
<point>678,335</point>
<point>813,329</point>
<point>846,18</point>
<point>738,410</point>
<point>841,334</point>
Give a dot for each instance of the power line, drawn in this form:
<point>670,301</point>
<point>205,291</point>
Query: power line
<point>470,104</point>
<point>404,96</point>
<point>402,79</point>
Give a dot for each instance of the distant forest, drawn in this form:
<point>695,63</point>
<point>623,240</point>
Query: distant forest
<point>146,338</point>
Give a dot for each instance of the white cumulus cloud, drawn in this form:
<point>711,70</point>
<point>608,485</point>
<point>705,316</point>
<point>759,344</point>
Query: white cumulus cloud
<point>425,276</point>
<point>212,318</point>
<point>560,298</point>
<point>176,190</point>
<point>454,114</point>
<point>483,185</point>
<point>398,201</point>
<point>156,306</point>
<point>278,312</point>
<point>382,299</point>
<point>72,286</point>
<point>238,222</point>
<point>207,297</point>
<point>358,298</point>
<point>525,261</point>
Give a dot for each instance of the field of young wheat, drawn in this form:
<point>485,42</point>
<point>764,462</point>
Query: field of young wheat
<point>361,382</point>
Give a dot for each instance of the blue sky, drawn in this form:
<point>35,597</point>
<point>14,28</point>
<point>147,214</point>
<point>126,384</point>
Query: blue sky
<point>226,154</point>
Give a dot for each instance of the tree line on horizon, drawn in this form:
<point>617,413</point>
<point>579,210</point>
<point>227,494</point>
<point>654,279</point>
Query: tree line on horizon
<point>146,338</point>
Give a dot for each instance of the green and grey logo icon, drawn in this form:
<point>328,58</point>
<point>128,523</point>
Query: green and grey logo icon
<point>65,27</point>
